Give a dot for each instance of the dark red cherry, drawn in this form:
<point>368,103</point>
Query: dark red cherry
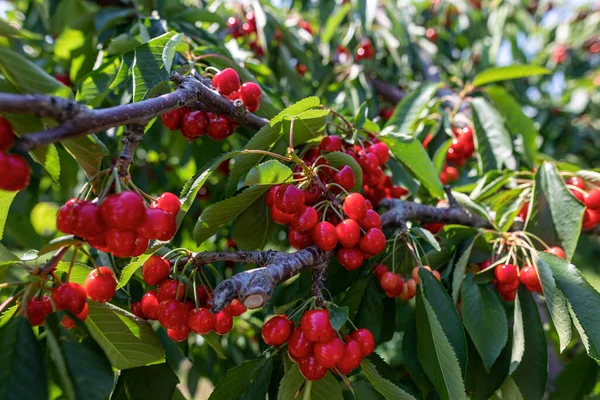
<point>330,353</point>
<point>7,135</point>
<point>331,143</point>
<point>172,313</point>
<point>124,210</point>
<point>218,128</point>
<point>38,309</point>
<point>305,219</point>
<point>179,333</point>
<point>325,236</point>
<point>316,326</point>
<point>172,119</point>
<point>348,232</point>
<point>345,178</point>
<point>350,259</point>
<point>194,124</point>
<point>250,94</point>
<point>299,345</point>
<point>311,369</point>
<point>289,199</point>
<point>276,330</point>
<point>155,270</point>
<point>201,321</point>
<point>300,240</point>
<point>69,296</point>
<point>150,305</point>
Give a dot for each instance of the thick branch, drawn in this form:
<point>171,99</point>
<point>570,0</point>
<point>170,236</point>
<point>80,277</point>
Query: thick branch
<point>390,93</point>
<point>134,134</point>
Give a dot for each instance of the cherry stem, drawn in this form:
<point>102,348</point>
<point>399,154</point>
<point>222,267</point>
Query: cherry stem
<point>267,153</point>
<point>194,279</point>
<point>300,308</point>
<point>72,262</point>
<point>350,126</point>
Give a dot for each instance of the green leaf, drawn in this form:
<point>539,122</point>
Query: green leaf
<point>338,317</point>
<point>291,383</point>
<point>235,382</point>
<point>193,15</point>
<point>83,369</point>
<point>214,341</point>
<point>88,151</point>
<point>481,383</point>
<point>510,390</point>
<point>410,152</point>
<point>307,126</point>
<point>407,112</point>
<point>79,272</point>
<point>176,43</point>
<point>556,302</point>
<point>251,229</point>
<point>583,300</point>
<point>460,269</point>
<point>327,388</point>
<point>151,382</point>
<point>269,173</point>
<point>441,344</point>
<point>6,199</point>
<point>371,312</point>
<point>576,380</point>
<point>428,236</point>
<point>471,205</point>
<point>532,373</point>
<point>333,22</point>
<point>339,159</point>
<point>8,30</point>
<point>517,121</point>
<point>28,77</point>
<point>128,341</point>
<point>96,85</point>
<point>555,215</point>
<point>382,385</point>
<point>518,337</point>
<point>498,74</point>
<point>484,319</point>
<point>494,145</point>
<point>215,216</point>
<point>363,390</point>
<point>260,384</point>
<point>23,373</point>
<point>149,66</point>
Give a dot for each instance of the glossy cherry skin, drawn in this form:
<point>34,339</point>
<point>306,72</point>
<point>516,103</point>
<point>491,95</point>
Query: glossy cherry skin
<point>325,236</point>
<point>87,221</point>
<point>506,273</point>
<point>576,181</point>
<point>69,323</point>
<point>123,211</point>
<point>136,309</point>
<point>218,128</point>
<point>311,195</point>
<point>305,219</point>
<point>279,217</point>
<point>373,242</point>
<point>179,333</point>
<point>379,270</point>
<point>69,296</point>
<point>100,284</point>
<point>157,224</point>
<point>65,218</point>
<point>201,321</point>
<point>389,281</point>
<point>371,220</point>
<point>557,251</point>
<point>150,305</point>
<point>355,206</point>
<point>223,322</point>
<point>298,344</point>
<point>350,259</point>
<point>381,151</point>
<point>352,356</point>
<point>590,219</point>
<point>19,175</point>
<point>348,233</point>
<point>168,290</point>
<point>172,119</point>
<point>226,81</point>
<point>300,240</point>
<point>289,199</point>
<point>271,194</point>
<point>140,246</point>
<point>276,330</point>
<point>592,199</point>
<point>236,308</point>
<point>412,287</point>
<point>365,338</point>
<point>331,143</point>
<point>168,202</point>
<point>121,243</point>
<point>311,369</point>
<point>529,277</point>
<point>250,94</point>
<point>7,135</point>
<point>172,313</point>
<point>316,326</point>
<point>194,124</point>
<point>38,309</point>
<point>330,353</point>
<point>345,177</point>
<point>155,270</point>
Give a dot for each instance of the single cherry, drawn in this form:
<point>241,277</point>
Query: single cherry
<point>316,326</point>
<point>69,296</point>
<point>7,135</point>
<point>373,242</point>
<point>331,143</point>
<point>150,305</point>
<point>382,152</point>
<point>194,124</point>
<point>299,345</point>
<point>38,309</point>
<point>65,218</point>
<point>279,217</point>
<point>311,369</point>
<point>218,128</point>
<point>348,233</point>
<point>168,290</point>
<point>172,119</point>
<point>289,199</point>
<point>355,206</point>
<point>592,199</point>
<point>100,284</point>
<point>352,356</point>
<point>325,236</point>
<point>276,330</point>
<point>136,309</point>
<point>124,210</point>
<point>250,94</point>
<point>121,243</point>
<point>365,338</point>
<point>69,323</point>
<point>172,313</point>
<point>236,308</point>
<point>557,251</point>
<point>223,322</point>
<point>179,333</point>
<point>300,240</point>
<point>226,81</point>
<point>330,353</point>
<point>345,177</point>
<point>201,321</point>
<point>506,273</point>
<point>305,219</point>
<point>350,259</point>
<point>155,270</point>
<point>19,175</point>
<point>576,181</point>
<point>87,220</point>
<point>168,202</point>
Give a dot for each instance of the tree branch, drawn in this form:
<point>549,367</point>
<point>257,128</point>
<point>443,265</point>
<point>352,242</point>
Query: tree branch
<point>134,134</point>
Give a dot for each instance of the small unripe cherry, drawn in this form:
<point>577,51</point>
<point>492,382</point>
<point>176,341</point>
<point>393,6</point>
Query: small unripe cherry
<point>276,330</point>
<point>415,272</point>
<point>389,281</point>
<point>506,273</point>
<point>100,284</point>
<point>412,287</point>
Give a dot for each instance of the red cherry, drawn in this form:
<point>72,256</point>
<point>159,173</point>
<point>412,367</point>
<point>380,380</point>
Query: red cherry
<point>226,81</point>
<point>348,233</point>
<point>18,178</point>
<point>69,323</point>
<point>355,206</point>
<point>510,296</point>
<point>524,211</point>
<point>316,326</point>
<point>168,290</point>
<point>578,195</point>
<point>7,135</point>
<point>528,276</point>
<point>157,224</point>
<point>155,270</point>
<point>397,192</point>
<point>250,94</point>
<point>311,369</point>
<point>100,284</point>
<point>415,272</point>
<point>590,219</point>
<point>369,162</point>
<point>179,333</point>
<point>194,124</point>
<point>65,218</point>
<point>150,305</point>
<point>201,321</point>
<point>431,34</point>
<point>289,199</point>
<point>352,356</point>
<point>508,287</point>
<point>576,181</point>
<point>69,296</point>
<point>38,309</point>
<point>506,273</point>
<point>373,242</point>
<point>300,240</point>
<point>218,128</point>
<point>123,211</point>
<point>382,152</point>
<point>172,313</point>
<point>325,236</point>
<point>311,195</point>
<point>350,259</point>
<point>271,194</point>
<point>396,290</point>
<point>202,294</point>
<point>276,330</point>
<point>331,143</point>
<point>298,344</point>
<point>389,280</point>
<point>281,218</point>
<point>345,178</point>
<point>459,146</point>
<point>139,247</point>
<point>557,251</point>
<point>365,339</point>
<point>223,322</point>
<point>172,119</point>
<point>305,219</point>
<point>329,354</point>
<point>236,308</point>
<point>370,220</point>
<point>380,270</point>
<point>592,199</point>
<point>452,174</point>
<point>120,243</point>
<point>136,309</point>
<point>412,287</point>
<point>87,221</point>
<point>167,202</point>
<point>454,157</point>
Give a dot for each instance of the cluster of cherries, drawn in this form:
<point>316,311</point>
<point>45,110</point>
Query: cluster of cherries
<point>196,123</point>
<point>509,276</point>
<point>315,346</point>
<point>167,304</point>
<point>460,150</point>
<point>100,286</point>
<point>14,170</point>
<point>395,286</point>
<point>590,198</point>
<point>121,224</point>
<point>246,29</point>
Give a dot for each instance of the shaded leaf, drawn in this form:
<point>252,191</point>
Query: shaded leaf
<point>382,385</point>
<point>235,382</point>
<point>291,383</point>
<point>152,382</point>
<point>407,112</point>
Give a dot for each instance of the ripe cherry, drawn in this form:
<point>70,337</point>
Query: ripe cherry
<point>69,296</point>
<point>352,356</point>
<point>168,290</point>
<point>167,202</point>
<point>431,34</point>
<point>100,284</point>
<point>348,233</point>
<point>218,128</point>
<point>578,195</point>
<point>300,240</point>
<point>557,251</point>
<point>311,195</point>
<point>271,194</point>
<point>7,135</point>
<point>350,259</point>
<point>365,339</point>
<point>226,81</point>
<point>379,270</point>
<point>223,322</point>
<point>529,277</point>
<point>298,344</point>
<point>590,219</point>
<point>289,199</point>
<point>389,280</point>
<point>452,174</point>
<point>373,242</point>
<point>150,305</point>
<point>305,219</point>
<point>172,119</point>
<point>236,308</point>
<point>576,181</point>
<point>136,309</point>
<point>156,224</point>
<point>316,326</point>
<point>382,152</point>
<point>179,333</point>
<point>38,309</point>
<point>592,199</point>
<point>69,323</point>
<point>370,220</point>
<point>250,94</point>
<point>506,273</point>
<point>355,206</point>
<point>345,177</point>
<point>331,143</point>
<point>120,243</point>
<point>201,321</point>
<point>155,270</point>
<point>65,218</point>
<point>397,289</point>
<point>87,221</point>
<point>172,313</point>
<point>124,210</point>
<point>194,124</point>
<point>276,330</point>
<point>369,162</point>
<point>18,178</point>
<point>311,369</point>
<point>508,287</point>
<point>279,217</point>
<point>139,247</point>
<point>330,353</point>
<point>325,236</point>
